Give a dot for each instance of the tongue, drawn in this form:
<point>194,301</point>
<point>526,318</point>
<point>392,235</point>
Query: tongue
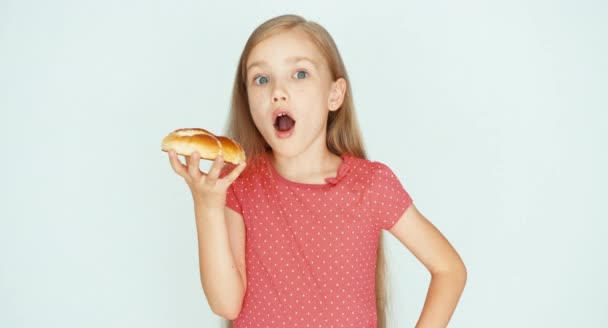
<point>285,123</point>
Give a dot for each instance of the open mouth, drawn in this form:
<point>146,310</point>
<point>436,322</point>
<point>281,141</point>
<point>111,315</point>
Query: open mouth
<point>283,122</point>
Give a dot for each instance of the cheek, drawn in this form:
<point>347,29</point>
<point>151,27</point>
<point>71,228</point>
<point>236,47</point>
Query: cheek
<point>256,97</point>
<point>255,109</point>
<point>309,95</point>
<point>253,101</point>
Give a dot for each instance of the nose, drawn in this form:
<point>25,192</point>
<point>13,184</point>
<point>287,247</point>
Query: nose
<point>277,98</point>
<point>278,93</point>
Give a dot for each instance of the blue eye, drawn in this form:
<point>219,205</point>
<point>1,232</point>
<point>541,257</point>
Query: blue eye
<point>301,74</point>
<point>261,80</point>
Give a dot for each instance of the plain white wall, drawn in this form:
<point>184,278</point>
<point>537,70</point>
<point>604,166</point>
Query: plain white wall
<point>493,115</point>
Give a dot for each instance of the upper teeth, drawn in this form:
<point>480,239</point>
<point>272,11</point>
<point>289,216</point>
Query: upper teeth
<point>282,114</point>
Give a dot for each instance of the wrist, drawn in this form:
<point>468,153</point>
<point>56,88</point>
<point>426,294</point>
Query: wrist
<point>209,200</point>
<point>209,205</point>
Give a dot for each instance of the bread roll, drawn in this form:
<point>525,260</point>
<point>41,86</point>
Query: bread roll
<point>190,140</point>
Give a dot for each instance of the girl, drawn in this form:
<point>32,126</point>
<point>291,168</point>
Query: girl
<point>294,240</point>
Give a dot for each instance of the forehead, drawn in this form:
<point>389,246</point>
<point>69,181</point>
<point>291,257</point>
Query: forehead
<point>284,46</point>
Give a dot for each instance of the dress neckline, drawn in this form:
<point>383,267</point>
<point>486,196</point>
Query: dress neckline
<point>343,169</point>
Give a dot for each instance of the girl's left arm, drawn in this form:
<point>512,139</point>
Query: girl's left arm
<point>448,273</point>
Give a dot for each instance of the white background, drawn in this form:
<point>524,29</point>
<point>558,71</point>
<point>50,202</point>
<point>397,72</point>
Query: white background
<point>492,113</point>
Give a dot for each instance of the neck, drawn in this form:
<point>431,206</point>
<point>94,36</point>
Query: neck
<point>307,167</point>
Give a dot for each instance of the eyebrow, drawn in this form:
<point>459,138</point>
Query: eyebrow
<point>294,59</point>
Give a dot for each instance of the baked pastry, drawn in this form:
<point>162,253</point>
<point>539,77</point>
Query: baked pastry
<point>189,140</point>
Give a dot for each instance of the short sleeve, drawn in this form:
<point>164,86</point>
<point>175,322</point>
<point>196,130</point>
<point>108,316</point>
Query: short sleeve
<point>388,200</point>
<point>232,200</point>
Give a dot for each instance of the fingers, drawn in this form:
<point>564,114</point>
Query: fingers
<point>177,166</point>
<point>193,162</point>
<point>235,172</point>
<point>216,169</point>
<point>192,172</point>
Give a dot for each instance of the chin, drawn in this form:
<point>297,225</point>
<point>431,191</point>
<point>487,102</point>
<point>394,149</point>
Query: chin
<point>285,150</point>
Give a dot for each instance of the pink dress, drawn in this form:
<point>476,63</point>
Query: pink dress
<point>311,248</point>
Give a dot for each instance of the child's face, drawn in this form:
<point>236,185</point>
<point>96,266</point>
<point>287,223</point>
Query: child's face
<point>288,75</point>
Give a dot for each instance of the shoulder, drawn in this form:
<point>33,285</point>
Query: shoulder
<point>369,168</point>
<point>255,173</point>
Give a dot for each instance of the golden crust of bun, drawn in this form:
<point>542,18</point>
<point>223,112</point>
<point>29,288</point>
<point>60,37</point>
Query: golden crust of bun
<point>189,140</point>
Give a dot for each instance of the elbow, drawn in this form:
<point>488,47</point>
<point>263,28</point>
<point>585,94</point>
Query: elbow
<point>228,313</point>
<point>460,272</point>
<point>462,269</point>
<point>456,271</point>
<point>228,309</point>
<point>229,304</point>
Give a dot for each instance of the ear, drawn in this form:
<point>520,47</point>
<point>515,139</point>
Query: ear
<point>336,94</point>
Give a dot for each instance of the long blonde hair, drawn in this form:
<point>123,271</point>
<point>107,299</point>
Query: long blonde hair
<point>343,133</point>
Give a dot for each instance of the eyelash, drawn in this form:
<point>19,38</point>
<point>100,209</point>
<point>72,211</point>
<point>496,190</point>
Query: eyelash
<point>302,71</point>
<point>298,71</point>
<point>257,77</point>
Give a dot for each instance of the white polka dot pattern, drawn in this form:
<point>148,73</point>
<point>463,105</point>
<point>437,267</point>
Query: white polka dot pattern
<point>311,248</point>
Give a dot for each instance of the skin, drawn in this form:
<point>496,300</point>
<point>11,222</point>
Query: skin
<point>273,81</point>
<point>288,72</point>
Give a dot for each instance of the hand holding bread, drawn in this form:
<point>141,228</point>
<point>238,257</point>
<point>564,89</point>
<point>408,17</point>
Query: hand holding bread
<point>209,146</point>
<point>208,189</point>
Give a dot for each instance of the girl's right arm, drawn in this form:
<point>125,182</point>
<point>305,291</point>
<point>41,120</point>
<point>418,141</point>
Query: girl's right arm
<point>221,235</point>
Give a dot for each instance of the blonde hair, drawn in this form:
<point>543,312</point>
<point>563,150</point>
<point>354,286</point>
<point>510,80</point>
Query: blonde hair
<point>343,133</point>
